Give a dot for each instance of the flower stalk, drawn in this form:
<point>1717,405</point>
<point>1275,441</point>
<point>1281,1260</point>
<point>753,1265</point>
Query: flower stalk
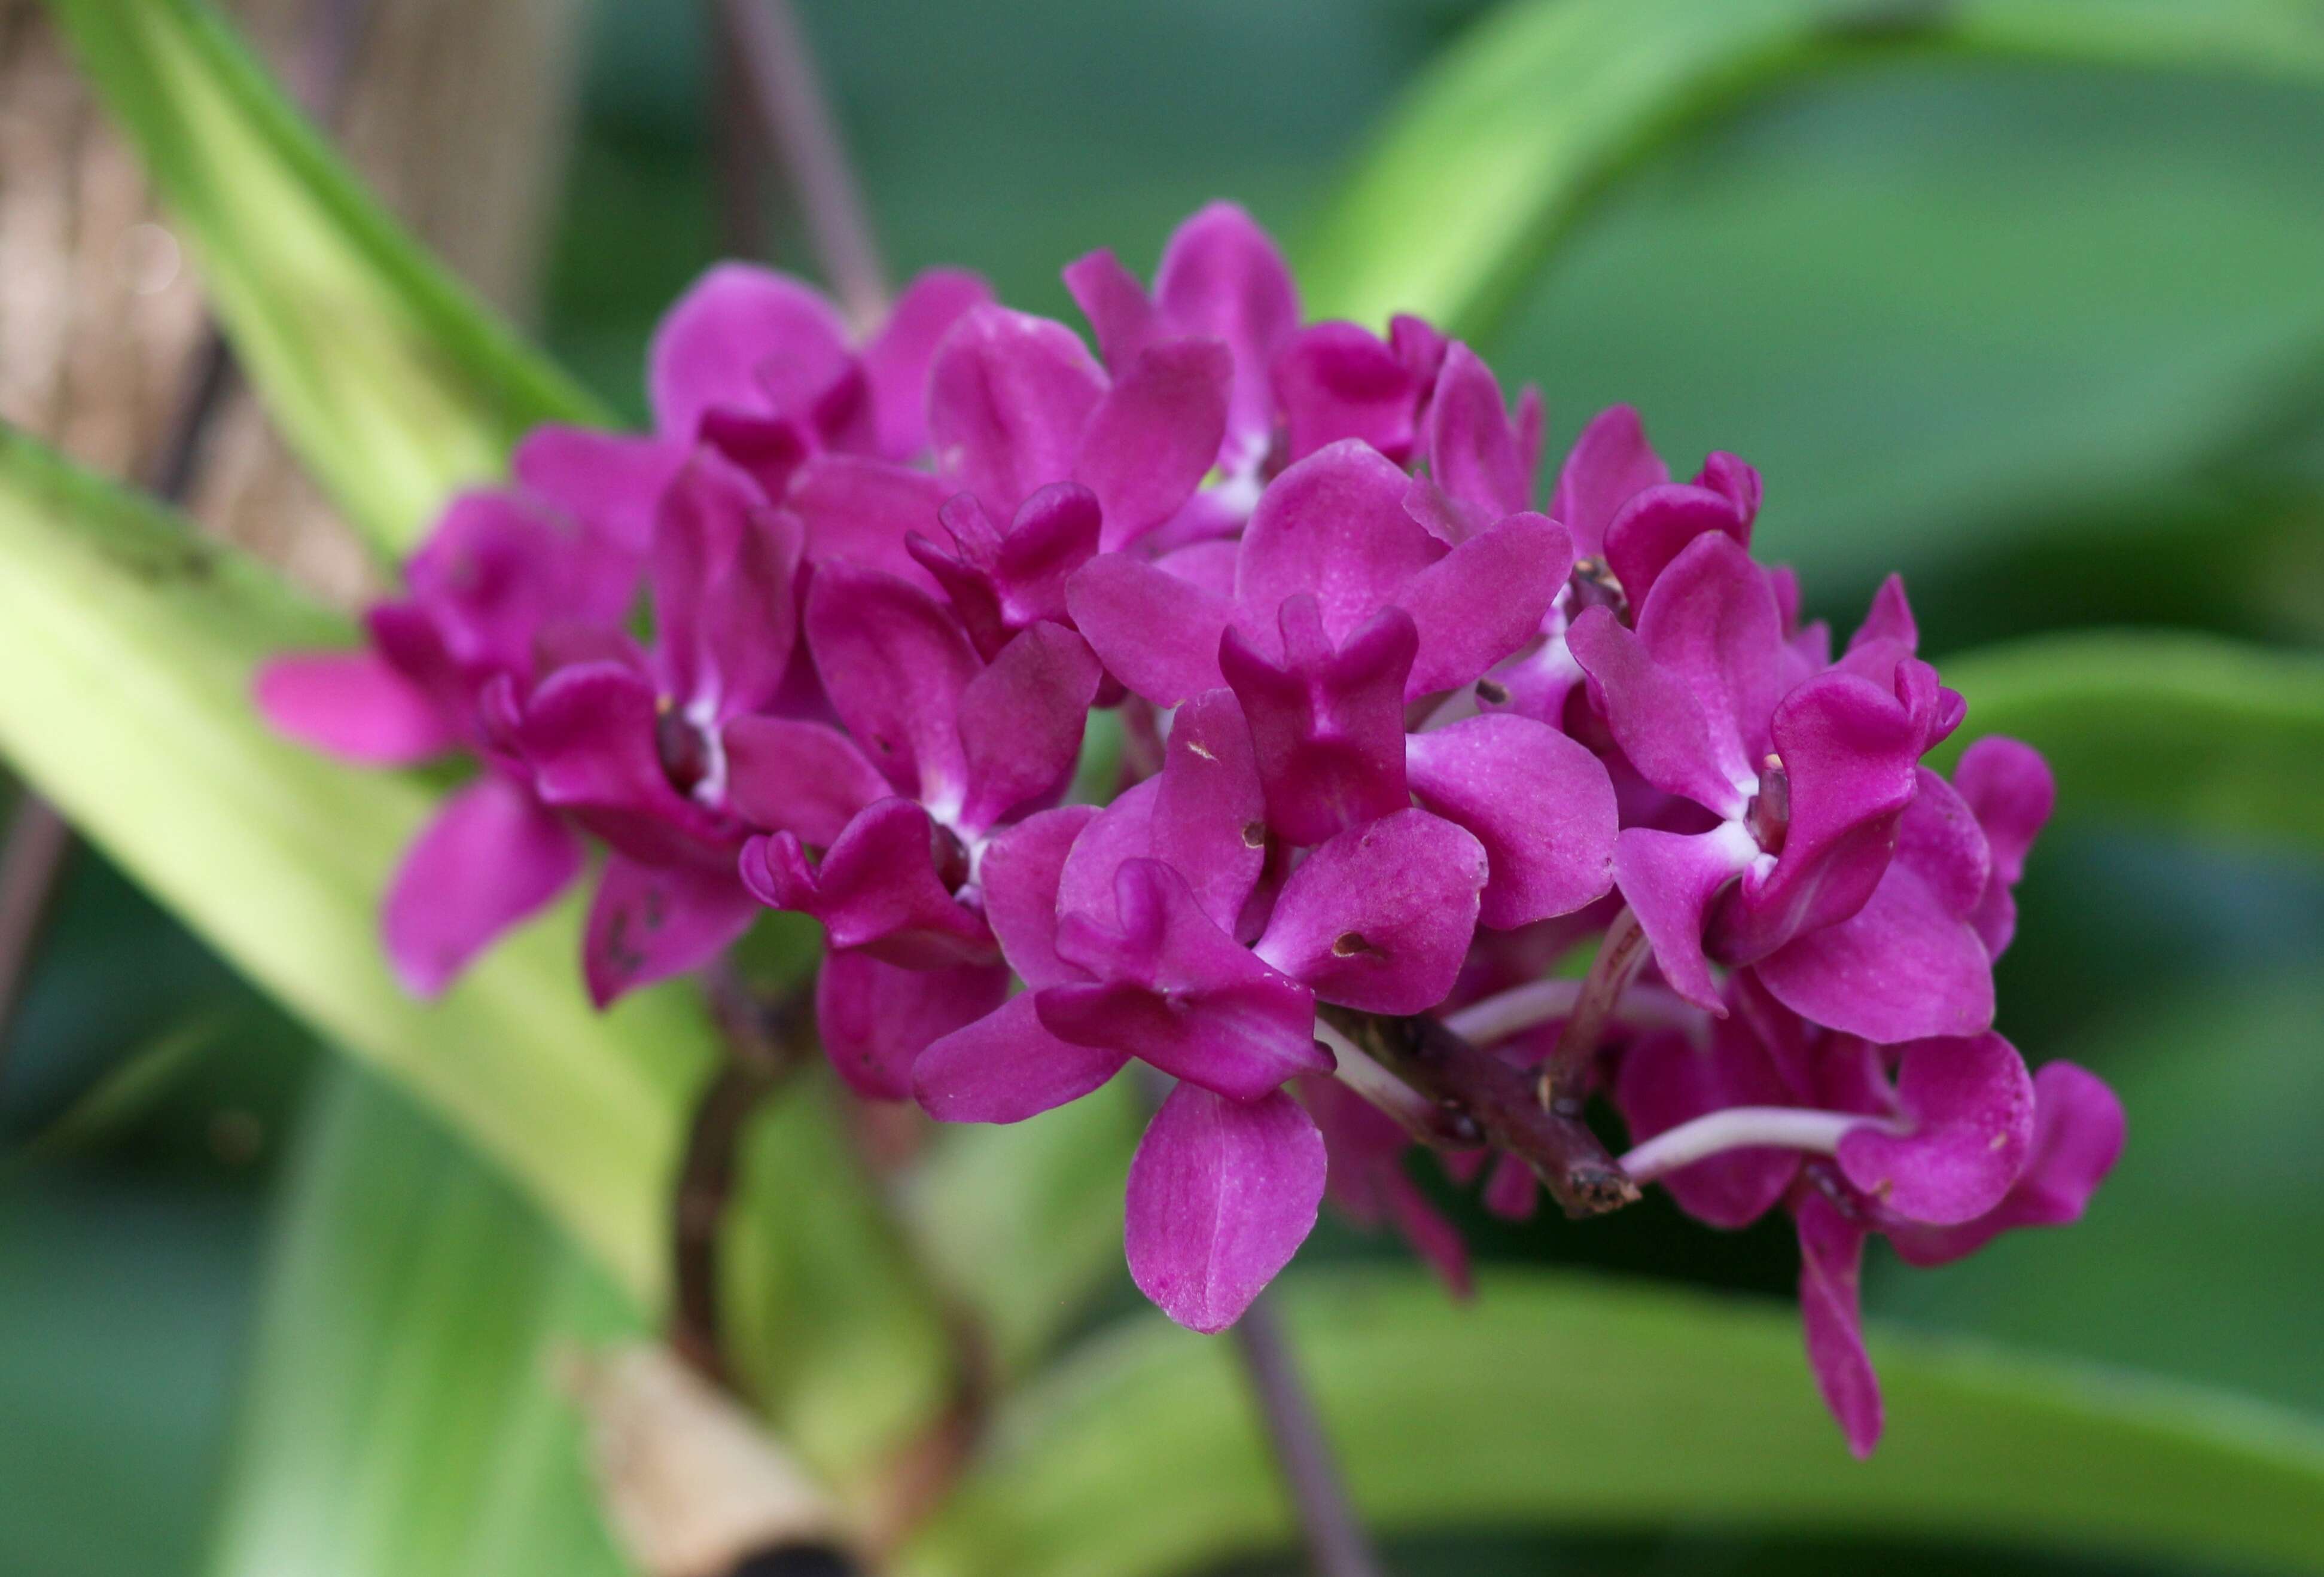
<point>774,58</point>
<point>1565,1080</point>
<point>1336,1539</point>
<point>1559,1149</point>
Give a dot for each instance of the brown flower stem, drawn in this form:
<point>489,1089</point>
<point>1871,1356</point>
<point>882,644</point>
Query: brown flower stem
<point>1336,1543</point>
<point>31,859</point>
<point>1557,1146</point>
<point>762,1040</point>
<point>774,58</point>
<point>1565,1079</point>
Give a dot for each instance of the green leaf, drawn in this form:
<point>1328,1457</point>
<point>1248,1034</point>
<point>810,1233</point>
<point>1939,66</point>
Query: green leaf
<point>1503,140</point>
<point>401,1417</point>
<point>393,385</point>
<point>829,1316</point>
<point>2196,1257</point>
<point>1569,1402</point>
<point>2191,733</point>
<point>1023,1220</point>
<point>131,644</point>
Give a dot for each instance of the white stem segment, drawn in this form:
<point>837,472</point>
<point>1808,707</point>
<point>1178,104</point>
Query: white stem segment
<point>1537,1002</point>
<point>1413,1111</point>
<point>1737,1127</point>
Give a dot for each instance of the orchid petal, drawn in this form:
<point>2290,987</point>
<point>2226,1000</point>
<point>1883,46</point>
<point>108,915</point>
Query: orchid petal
<point>1155,435</point>
<point>1327,727</point>
<point>609,484</point>
<point>1021,723</point>
<point>1221,1194</point>
<point>895,664</point>
<point>1540,803</point>
<point>1669,1078</point>
<point>1379,918</point>
<point>864,511</point>
<point>1832,1261</point>
<point>725,609</point>
<point>1009,396</point>
<point>492,855</point>
<point>650,922</point>
<point>1020,873</point>
<point>1174,990</point>
<point>2077,1131</point>
<point>746,337</point>
<point>1334,526</point>
<point>353,705</point>
<point>785,775</point>
<point>877,888</point>
<point>1336,381</point>
<point>1970,1105</point>
<point>1005,1067</point>
<point>1115,303</point>
<point>1484,599</point>
<point>1222,278</point>
<point>1156,633</point>
<point>1611,463</point>
<point>896,361</point>
<point>1473,446</point>
<point>1208,820</point>
<point>1669,880</point>
<point>874,1020</point>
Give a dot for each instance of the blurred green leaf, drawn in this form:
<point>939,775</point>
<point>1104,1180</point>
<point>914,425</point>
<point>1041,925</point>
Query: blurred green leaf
<point>2192,733</point>
<point>830,1319</point>
<point>2197,1257</point>
<point>401,1417</point>
<point>395,385</point>
<point>1579,1403</point>
<point>1023,1220</point>
<point>1533,111</point>
<point>130,644</point>
<point>141,1077</point>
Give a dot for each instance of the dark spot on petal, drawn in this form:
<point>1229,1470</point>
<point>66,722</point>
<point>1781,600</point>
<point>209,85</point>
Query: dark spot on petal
<point>1492,693</point>
<point>1351,945</point>
<point>1254,835</point>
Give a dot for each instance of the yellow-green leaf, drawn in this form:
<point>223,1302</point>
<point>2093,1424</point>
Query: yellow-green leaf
<point>1558,1401</point>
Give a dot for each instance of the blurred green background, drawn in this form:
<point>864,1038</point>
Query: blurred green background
<point>2050,340</point>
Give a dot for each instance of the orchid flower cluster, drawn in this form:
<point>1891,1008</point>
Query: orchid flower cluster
<point>1439,810</point>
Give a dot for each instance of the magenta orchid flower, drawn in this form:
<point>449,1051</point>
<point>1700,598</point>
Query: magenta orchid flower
<point>879,828</point>
<point>1338,608</point>
<point>1143,932</point>
<point>1807,779</point>
<point>760,367</point>
<point>1938,1145</point>
<point>1398,741</point>
<point>501,574</point>
<point>1221,279</point>
<point>630,742</point>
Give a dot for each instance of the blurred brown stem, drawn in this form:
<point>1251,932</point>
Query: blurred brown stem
<point>774,61</point>
<point>1335,1540</point>
<point>762,1040</point>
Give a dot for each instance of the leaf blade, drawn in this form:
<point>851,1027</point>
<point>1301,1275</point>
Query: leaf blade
<point>399,1416</point>
<point>2193,732</point>
<point>1544,102</point>
<point>134,643</point>
<point>1554,1401</point>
